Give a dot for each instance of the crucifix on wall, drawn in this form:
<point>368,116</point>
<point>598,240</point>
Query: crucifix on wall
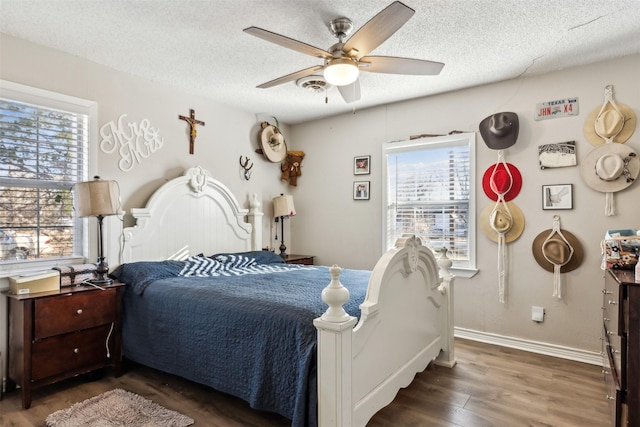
<point>192,124</point>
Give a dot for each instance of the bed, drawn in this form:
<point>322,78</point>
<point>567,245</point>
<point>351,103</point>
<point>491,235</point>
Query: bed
<point>320,345</point>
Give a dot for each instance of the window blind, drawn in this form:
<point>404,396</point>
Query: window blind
<point>428,194</point>
<point>42,154</point>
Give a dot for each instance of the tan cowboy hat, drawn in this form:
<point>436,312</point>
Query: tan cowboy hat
<point>557,250</point>
<point>608,122</point>
<point>512,225</point>
<point>610,167</point>
<point>273,146</point>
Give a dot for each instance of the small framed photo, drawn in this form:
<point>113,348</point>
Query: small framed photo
<point>361,190</point>
<point>559,196</point>
<point>361,165</point>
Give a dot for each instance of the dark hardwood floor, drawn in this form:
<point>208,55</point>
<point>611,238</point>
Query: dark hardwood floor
<point>490,386</point>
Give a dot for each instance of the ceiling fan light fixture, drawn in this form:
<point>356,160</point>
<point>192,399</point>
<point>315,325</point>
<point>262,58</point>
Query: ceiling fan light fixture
<point>341,71</point>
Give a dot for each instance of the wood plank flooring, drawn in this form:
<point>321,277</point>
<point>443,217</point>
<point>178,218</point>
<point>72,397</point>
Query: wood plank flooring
<point>490,386</point>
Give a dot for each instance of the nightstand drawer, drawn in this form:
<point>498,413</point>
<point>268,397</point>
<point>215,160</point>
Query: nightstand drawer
<point>71,352</point>
<point>67,313</point>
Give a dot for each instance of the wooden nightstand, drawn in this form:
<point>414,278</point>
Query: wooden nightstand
<point>60,334</point>
<point>299,259</point>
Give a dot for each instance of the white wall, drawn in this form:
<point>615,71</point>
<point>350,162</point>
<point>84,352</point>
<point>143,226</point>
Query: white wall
<point>340,230</point>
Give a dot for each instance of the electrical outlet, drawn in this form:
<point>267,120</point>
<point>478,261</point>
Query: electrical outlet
<point>537,314</point>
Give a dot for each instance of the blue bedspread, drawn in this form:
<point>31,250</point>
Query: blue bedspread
<point>247,334</point>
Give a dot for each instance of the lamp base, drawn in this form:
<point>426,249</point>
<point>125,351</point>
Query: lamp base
<point>101,273</point>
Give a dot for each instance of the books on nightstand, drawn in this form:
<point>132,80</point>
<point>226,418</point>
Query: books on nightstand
<point>32,283</point>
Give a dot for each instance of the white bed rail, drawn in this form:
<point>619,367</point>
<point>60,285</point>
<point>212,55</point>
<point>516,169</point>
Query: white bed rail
<point>406,323</point>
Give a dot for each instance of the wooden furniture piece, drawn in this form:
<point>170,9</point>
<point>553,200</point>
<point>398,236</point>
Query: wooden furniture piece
<point>299,259</point>
<point>60,334</point>
<point>621,355</point>
<point>361,363</point>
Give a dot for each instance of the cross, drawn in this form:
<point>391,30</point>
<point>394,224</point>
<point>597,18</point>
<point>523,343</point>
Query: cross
<point>192,124</point>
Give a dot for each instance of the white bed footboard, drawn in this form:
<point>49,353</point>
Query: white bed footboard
<point>406,323</point>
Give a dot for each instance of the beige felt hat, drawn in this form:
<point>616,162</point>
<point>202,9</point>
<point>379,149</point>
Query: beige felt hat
<point>557,251</point>
<point>494,218</point>
<point>273,146</point>
<point>608,122</point>
<point>610,167</point>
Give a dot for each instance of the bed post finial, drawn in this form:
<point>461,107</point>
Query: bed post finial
<point>335,296</point>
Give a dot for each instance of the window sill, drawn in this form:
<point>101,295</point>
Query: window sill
<point>465,273</point>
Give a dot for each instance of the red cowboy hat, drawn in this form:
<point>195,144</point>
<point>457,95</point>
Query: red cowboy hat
<point>501,181</point>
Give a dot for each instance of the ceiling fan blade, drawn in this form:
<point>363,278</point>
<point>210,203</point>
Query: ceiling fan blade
<point>350,93</point>
<point>378,29</point>
<point>287,42</point>
<point>396,65</point>
<point>289,77</point>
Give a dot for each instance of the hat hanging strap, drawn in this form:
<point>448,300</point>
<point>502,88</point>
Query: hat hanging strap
<point>499,193</point>
<point>502,253</point>
<point>608,99</point>
<point>557,285</point>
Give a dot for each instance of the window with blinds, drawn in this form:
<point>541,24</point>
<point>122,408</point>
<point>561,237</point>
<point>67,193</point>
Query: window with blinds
<point>43,152</point>
<point>429,193</point>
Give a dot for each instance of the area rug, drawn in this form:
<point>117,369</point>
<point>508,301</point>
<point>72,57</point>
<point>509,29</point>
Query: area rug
<point>117,408</point>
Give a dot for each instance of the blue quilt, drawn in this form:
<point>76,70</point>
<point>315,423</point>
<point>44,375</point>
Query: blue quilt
<point>243,328</point>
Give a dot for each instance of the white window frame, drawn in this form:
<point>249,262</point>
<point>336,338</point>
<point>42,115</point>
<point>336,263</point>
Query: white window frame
<point>46,98</point>
<point>469,268</point>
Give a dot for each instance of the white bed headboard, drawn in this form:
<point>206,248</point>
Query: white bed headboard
<point>189,215</point>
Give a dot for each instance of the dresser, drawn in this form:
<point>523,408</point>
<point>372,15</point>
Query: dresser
<point>60,334</point>
<point>621,353</point>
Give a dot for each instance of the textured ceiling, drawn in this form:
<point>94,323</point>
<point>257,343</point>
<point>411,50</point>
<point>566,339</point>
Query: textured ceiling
<point>199,46</point>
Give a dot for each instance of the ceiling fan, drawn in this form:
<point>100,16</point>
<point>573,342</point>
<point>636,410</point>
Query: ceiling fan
<point>344,60</point>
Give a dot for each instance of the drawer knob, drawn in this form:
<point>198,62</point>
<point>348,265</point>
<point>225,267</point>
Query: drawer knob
<point>79,311</point>
<point>610,397</point>
<point>614,351</point>
<point>613,302</point>
<point>606,319</point>
<point>604,371</point>
<point>76,350</point>
<point>606,292</point>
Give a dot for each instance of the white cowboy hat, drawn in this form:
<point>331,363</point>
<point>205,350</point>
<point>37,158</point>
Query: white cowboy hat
<point>273,146</point>
<point>611,167</point>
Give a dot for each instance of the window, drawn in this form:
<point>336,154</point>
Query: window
<point>43,152</point>
<point>429,192</point>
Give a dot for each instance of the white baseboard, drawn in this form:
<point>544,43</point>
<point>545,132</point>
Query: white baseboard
<point>547,349</point>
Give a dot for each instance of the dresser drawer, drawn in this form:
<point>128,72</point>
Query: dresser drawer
<point>611,305</point>
<point>67,313</point>
<point>614,392</point>
<point>71,352</point>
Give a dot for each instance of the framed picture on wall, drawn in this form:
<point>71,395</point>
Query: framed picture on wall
<point>361,165</point>
<point>361,190</point>
<point>559,196</point>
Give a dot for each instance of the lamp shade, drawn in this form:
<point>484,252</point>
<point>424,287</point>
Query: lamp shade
<point>283,206</point>
<point>341,72</point>
<point>97,197</point>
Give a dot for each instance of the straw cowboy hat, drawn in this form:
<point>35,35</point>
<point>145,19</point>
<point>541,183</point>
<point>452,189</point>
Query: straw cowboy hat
<point>500,180</point>
<point>273,146</point>
<point>613,120</point>
<point>495,219</point>
<point>610,167</point>
<point>500,130</point>
<point>550,249</point>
